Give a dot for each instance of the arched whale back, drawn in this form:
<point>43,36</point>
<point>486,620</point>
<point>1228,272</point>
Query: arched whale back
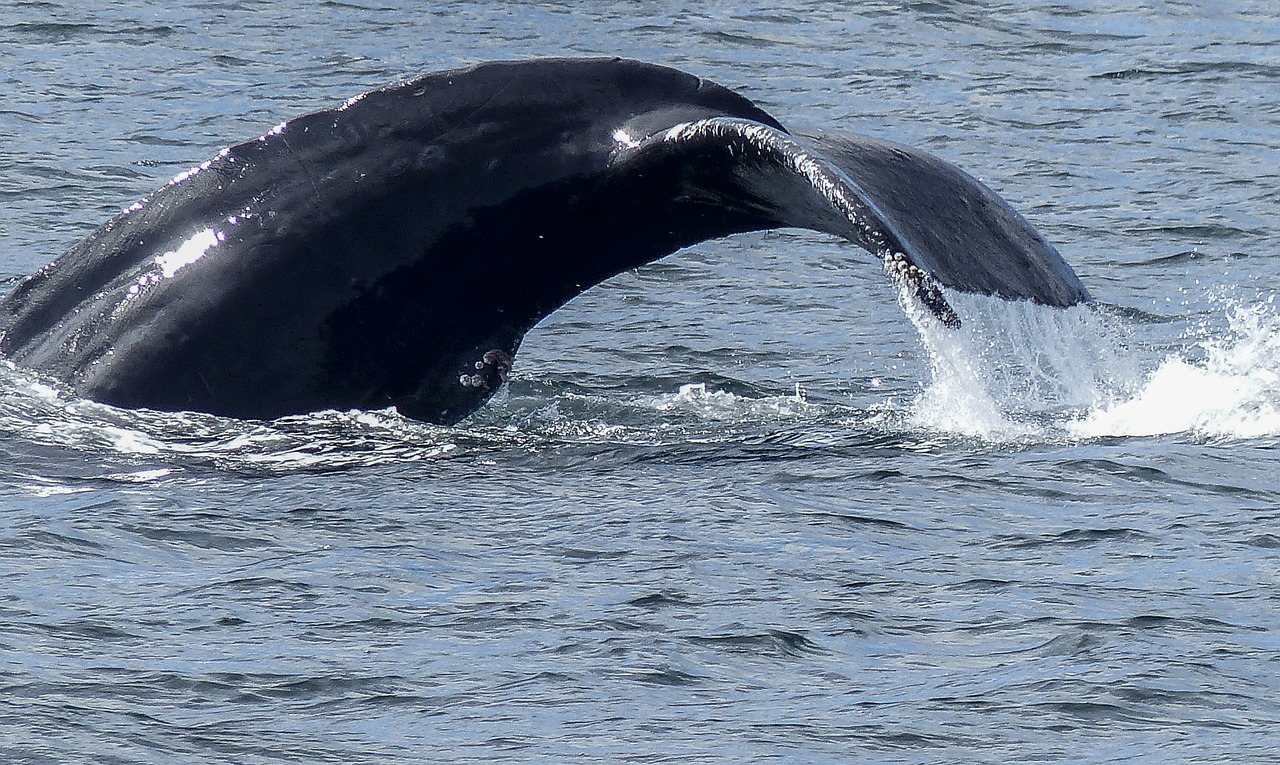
<point>395,250</point>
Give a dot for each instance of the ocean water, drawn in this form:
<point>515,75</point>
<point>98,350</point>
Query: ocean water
<point>736,506</point>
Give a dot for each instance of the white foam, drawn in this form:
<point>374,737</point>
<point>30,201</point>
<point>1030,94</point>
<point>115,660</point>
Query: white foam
<point>697,399</point>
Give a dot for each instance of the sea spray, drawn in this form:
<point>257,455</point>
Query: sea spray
<point>1226,384</point>
<point>1013,370</point>
<point>1020,371</point>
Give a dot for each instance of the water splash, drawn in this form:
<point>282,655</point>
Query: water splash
<point>1023,372</point>
<point>1226,386</point>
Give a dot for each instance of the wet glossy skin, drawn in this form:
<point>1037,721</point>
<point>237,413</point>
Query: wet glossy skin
<point>394,251</point>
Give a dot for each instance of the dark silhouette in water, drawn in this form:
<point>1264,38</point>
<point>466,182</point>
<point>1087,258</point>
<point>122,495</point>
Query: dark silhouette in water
<point>395,250</point>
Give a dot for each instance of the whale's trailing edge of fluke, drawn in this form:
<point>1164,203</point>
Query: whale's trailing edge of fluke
<point>395,250</point>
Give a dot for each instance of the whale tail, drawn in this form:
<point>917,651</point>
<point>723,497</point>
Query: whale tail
<point>930,223</point>
<point>951,225</point>
<point>395,250</point>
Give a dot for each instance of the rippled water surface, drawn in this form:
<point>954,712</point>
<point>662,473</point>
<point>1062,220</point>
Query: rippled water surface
<point>734,506</point>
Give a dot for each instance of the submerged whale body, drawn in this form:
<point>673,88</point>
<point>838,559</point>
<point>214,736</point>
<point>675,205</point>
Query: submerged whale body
<point>394,251</point>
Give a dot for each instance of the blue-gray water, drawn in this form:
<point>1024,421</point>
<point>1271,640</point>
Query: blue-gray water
<point>735,507</point>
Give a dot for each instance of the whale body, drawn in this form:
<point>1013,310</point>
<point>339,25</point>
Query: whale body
<point>395,250</point>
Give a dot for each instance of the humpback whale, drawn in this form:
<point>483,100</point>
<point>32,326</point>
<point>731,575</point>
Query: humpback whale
<point>394,251</point>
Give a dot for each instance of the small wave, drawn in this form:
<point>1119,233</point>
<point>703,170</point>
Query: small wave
<point>42,415</point>
<point>697,399</point>
<point>1208,70</point>
<point>692,418</point>
<point>51,31</point>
